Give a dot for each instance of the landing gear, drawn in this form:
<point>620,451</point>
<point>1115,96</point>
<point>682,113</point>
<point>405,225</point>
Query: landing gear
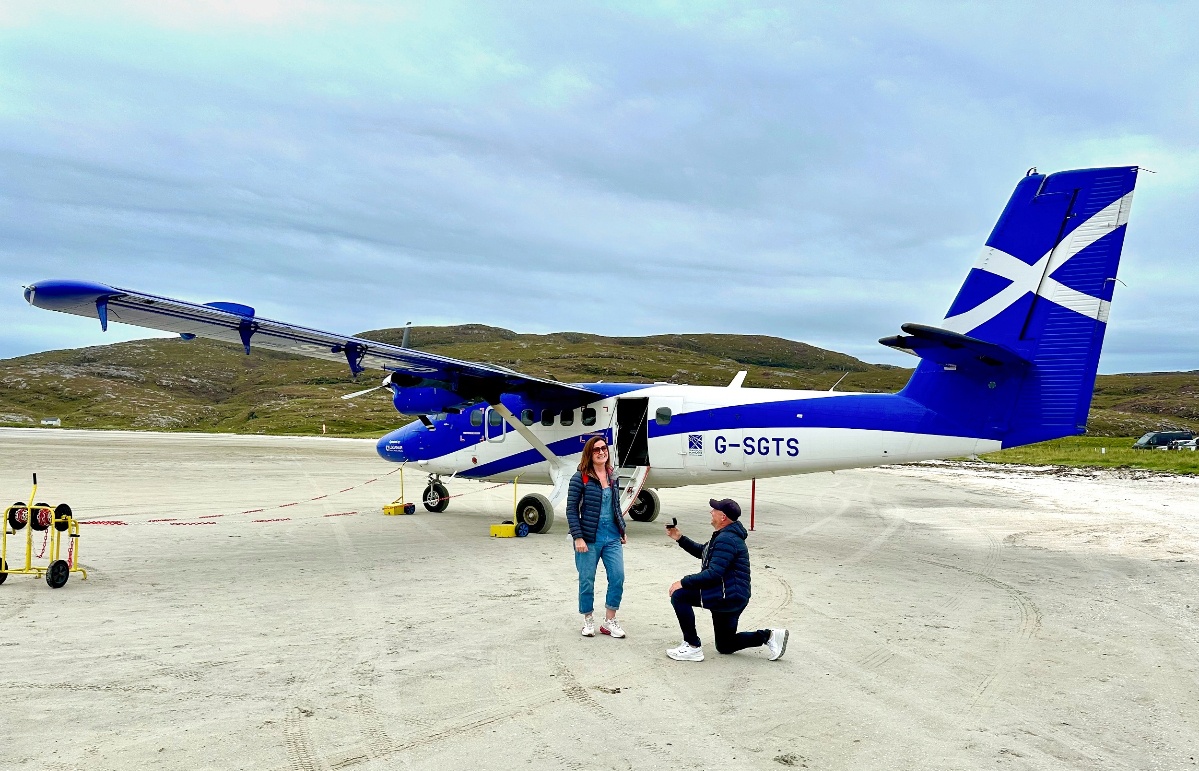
<point>436,498</point>
<point>646,507</point>
<point>535,512</point>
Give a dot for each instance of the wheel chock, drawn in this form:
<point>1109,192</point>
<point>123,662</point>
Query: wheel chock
<point>395,508</point>
<point>507,530</point>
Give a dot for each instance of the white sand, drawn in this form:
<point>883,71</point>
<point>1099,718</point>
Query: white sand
<point>942,616</point>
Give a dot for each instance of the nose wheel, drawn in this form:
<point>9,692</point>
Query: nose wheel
<point>436,497</point>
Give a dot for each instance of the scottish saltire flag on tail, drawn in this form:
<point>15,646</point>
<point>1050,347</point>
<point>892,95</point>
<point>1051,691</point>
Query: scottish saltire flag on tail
<point>1039,291</point>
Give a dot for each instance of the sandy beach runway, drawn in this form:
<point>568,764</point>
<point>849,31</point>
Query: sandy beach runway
<point>942,616</point>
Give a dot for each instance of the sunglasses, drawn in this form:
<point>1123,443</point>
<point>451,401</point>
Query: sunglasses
<point>598,450</point>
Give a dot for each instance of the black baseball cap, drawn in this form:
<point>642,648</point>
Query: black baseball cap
<point>728,506</point>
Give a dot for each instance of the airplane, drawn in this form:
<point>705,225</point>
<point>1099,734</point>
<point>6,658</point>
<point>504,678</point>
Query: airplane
<point>1013,363</point>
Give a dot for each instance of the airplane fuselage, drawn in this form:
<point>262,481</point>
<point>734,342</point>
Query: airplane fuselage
<point>687,434</point>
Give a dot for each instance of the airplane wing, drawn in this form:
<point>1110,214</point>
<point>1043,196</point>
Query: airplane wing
<point>234,323</point>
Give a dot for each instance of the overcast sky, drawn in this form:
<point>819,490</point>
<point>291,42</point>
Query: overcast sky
<point>816,171</point>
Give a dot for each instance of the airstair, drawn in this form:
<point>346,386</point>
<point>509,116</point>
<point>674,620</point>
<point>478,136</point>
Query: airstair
<point>636,477</point>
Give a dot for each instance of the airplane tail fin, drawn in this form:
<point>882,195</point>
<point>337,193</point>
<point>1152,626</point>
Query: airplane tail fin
<point>1016,356</point>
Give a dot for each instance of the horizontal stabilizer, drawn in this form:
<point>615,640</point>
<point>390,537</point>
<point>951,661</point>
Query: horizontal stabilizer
<point>945,347</point>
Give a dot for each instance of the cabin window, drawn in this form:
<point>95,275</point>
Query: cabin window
<point>547,417</point>
<point>494,419</point>
<point>568,417</point>
<point>526,417</point>
<point>662,416</point>
<point>476,418</point>
<point>588,416</point>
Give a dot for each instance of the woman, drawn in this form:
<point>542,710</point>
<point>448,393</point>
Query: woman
<point>597,527</point>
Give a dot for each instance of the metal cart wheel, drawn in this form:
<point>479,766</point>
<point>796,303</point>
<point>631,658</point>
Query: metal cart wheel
<point>58,573</point>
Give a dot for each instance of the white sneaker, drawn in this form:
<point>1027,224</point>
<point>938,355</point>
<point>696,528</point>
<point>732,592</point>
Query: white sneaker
<point>686,652</point>
<point>777,643</point>
<point>589,626</point>
<point>611,627</point>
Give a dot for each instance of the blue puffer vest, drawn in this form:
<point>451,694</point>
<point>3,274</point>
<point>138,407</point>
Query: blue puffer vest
<point>584,500</point>
<point>723,580</point>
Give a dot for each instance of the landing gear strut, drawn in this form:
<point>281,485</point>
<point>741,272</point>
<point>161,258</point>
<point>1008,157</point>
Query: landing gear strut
<point>436,497</point>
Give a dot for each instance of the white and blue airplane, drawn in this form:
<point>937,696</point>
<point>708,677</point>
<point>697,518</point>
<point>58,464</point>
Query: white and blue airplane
<point>1013,363</point>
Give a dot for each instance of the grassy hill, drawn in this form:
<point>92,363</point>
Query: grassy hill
<point>200,385</point>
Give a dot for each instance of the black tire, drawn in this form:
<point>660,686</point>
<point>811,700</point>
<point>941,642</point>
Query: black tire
<point>18,516</point>
<point>62,517</point>
<point>3,566</point>
<point>58,574</point>
<point>522,530</point>
<point>535,512</point>
<point>40,516</point>
<point>436,498</point>
<point>646,507</point>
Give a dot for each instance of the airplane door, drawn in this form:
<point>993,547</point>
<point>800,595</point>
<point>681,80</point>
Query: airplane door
<point>494,426</point>
<point>723,449</point>
<point>632,438</point>
<point>668,448</point>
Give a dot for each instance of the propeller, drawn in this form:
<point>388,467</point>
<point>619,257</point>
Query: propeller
<point>386,380</point>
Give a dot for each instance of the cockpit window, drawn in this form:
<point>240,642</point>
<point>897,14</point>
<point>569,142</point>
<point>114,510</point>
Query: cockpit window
<point>476,418</point>
<point>662,416</point>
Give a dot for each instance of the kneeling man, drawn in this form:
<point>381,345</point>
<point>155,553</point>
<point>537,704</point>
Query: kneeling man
<point>721,586</point>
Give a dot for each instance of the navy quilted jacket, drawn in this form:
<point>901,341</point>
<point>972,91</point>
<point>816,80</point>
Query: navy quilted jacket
<point>583,501</point>
<point>723,579</point>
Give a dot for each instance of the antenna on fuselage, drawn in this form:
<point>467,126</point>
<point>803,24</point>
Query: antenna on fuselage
<point>843,376</point>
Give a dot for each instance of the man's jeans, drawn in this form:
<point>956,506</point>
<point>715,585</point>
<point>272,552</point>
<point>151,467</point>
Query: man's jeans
<point>728,640</point>
<point>613,556</point>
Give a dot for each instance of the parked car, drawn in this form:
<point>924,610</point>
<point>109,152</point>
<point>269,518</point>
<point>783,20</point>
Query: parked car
<point>1184,444</point>
<point>1160,440</point>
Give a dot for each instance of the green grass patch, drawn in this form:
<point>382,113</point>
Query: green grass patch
<point>1088,451</point>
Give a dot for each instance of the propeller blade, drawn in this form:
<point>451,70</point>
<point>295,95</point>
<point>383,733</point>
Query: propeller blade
<point>356,394</point>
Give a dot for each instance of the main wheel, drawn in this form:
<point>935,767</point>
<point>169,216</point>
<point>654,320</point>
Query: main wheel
<point>58,574</point>
<point>18,516</point>
<point>535,512</point>
<point>646,507</point>
<point>436,498</point>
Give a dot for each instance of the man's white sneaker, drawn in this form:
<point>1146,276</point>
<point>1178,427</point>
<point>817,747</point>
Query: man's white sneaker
<point>612,627</point>
<point>588,626</point>
<point>777,643</point>
<point>686,652</point>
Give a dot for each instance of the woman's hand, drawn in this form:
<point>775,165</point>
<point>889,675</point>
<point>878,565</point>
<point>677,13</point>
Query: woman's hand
<point>580,546</point>
<point>623,539</point>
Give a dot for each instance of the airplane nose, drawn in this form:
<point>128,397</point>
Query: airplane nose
<point>392,447</point>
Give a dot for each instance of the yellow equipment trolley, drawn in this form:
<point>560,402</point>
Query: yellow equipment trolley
<point>53,522</point>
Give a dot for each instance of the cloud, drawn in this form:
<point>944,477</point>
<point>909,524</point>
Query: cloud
<point>823,173</point>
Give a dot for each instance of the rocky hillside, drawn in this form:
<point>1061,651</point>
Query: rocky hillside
<point>199,385</point>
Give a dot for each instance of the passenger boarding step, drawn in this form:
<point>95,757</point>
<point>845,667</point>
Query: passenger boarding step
<point>636,480</point>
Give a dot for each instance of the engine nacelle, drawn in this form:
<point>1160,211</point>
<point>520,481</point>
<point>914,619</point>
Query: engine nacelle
<point>423,401</point>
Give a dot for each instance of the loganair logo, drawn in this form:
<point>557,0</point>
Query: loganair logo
<point>1036,278</point>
